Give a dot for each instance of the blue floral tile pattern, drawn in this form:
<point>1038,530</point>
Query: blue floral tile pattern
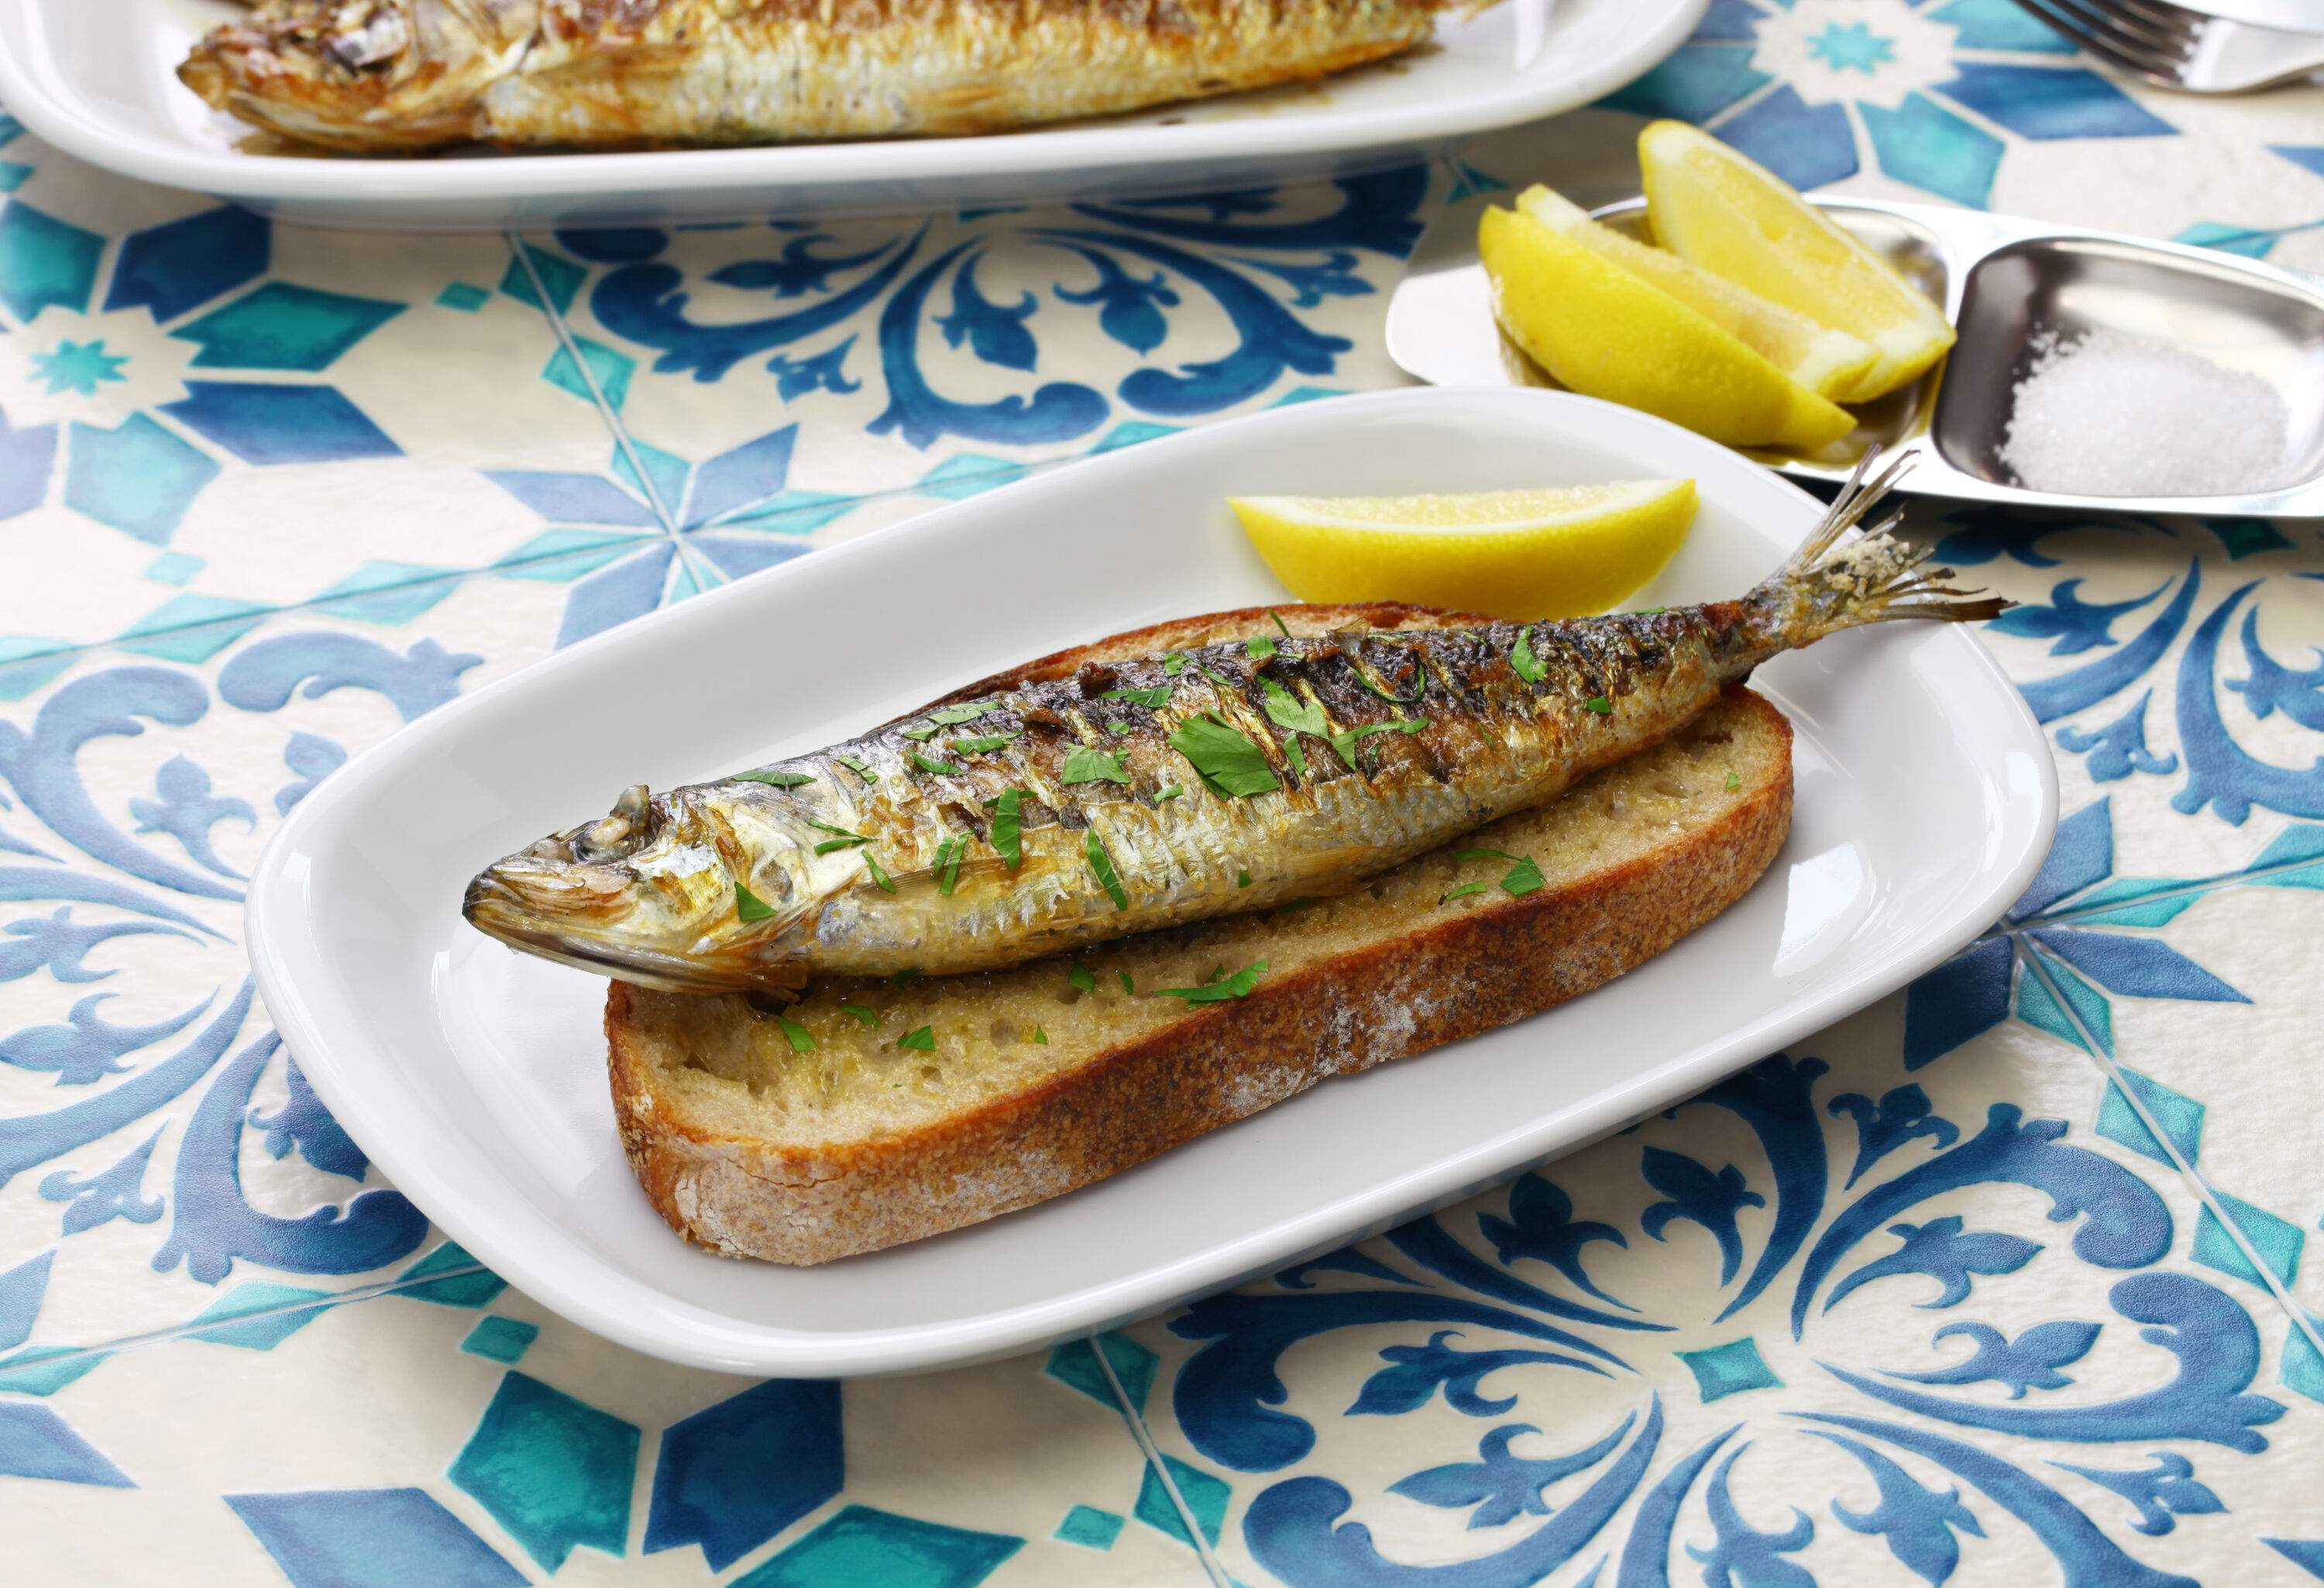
<point>2004,1280</point>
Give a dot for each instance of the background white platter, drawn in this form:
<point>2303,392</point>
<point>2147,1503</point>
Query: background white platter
<point>96,79</point>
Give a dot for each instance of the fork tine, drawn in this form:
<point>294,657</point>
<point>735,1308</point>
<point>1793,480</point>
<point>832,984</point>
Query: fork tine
<point>2077,28</point>
<point>2159,51</point>
<point>2176,21</point>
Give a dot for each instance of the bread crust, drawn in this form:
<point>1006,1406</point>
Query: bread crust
<point>1443,981</point>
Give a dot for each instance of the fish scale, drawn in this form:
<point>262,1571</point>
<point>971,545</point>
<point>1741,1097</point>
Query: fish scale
<point>718,886</point>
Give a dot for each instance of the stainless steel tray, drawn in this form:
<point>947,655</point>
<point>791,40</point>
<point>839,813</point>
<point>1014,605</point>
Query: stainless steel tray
<point>2001,282</point>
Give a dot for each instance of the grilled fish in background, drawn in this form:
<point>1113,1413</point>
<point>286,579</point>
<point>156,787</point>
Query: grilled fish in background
<point>1302,766</point>
<point>385,76</point>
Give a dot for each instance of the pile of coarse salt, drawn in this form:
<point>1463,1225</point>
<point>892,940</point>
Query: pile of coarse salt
<point>2110,415</point>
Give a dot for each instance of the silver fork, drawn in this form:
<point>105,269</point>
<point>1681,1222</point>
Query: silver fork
<point>2170,45</point>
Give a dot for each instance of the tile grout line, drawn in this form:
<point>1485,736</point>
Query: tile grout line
<point>2203,1188</point>
<point>623,442</point>
<point>163,1335</point>
<point>1154,1464</point>
<point>2195,885</point>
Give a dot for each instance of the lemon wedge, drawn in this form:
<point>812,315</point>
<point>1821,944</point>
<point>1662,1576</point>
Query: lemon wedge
<point>1519,555</point>
<point>1828,363</point>
<point>1718,209</point>
<point>1605,332</point>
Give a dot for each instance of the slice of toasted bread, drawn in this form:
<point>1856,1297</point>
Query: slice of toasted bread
<point>1039,1080</point>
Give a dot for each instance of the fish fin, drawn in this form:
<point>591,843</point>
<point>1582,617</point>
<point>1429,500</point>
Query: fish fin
<point>1826,586</point>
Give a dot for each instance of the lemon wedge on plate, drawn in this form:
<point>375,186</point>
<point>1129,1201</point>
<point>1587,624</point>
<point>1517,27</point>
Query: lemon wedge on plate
<point>1519,555</point>
<point>1606,332</point>
<point>1716,207</point>
<point>1828,363</point>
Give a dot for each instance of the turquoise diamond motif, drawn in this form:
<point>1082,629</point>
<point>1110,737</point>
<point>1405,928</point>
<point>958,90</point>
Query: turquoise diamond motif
<point>463,298</point>
<point>464,1285</point>
<point>601,367</point>
<point>1205,1497</point>
<point>2275,1242</point>
<point>1090,1528</point>
<point>860,1545</point>
<point>1075,1364</point>
<point>271,1314</point>
<point>1729,1369</point>
<point>555,1472</point>
<point>499,1339</point>
<point>2180,1117</point>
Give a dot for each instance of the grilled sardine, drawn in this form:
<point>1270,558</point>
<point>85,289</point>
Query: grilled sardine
<point>380,76</point>
<point>1225,779</point>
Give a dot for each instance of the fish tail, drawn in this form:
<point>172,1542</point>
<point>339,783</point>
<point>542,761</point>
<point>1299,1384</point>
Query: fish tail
<point>1827,586</point>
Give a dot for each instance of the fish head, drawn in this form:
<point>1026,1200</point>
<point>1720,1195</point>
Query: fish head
<point>647,893</point>
<point>367,75</point>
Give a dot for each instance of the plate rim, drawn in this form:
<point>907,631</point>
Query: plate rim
<point>721,1341</point>
<point>388,187</point>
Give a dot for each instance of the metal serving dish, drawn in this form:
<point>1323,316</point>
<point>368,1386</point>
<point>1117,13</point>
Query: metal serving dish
<point>2002,282</point>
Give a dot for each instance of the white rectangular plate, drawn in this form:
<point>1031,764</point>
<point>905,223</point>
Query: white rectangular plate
<point>475,1076</point>
<point>96,79</point>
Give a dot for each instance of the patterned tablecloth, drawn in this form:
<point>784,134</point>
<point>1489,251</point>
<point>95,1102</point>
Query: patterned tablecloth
<point>1998,1282</point>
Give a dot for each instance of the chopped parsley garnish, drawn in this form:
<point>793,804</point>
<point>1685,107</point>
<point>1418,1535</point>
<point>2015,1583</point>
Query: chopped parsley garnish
<point>1120,728</point>
<point>1108,878</point>
<point>867,1018</point>
<point>1345,743</point>
<point>1287,712</point>
<point>1599,704</point>
<point>801,1039</point>
<point>887,884</point>
<point>1127,984</point>
<point>748,906</point>
<point>984,744</point>
<point>1650,612</point>
<point>1082,979</point>
<point>1041,1037</point>
<point>1220,679</point>
<point>858,768</point>
<point>1172,792</point>
<point>1228,764</point>
<point>929,763</point>
<point>1008,832</point>
<point>1153,700</point>
<point>1173,665</point>
<point>1521,658</point>
<point>1464,889</point>
<point>1279,623</point>
<point>1243,878</point>
<point>1734,782</point>
<point>923,1040</point>
<point>1087,765</point>
<point>1525,876</point>
<point>904,979</point>
<point>954,715</point>
<point>919,731</point>
<point>1219,987</point>
<point>948,853</point>
<point>1259,648</point>
<point>779,779</point>
<point>846,839</point>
